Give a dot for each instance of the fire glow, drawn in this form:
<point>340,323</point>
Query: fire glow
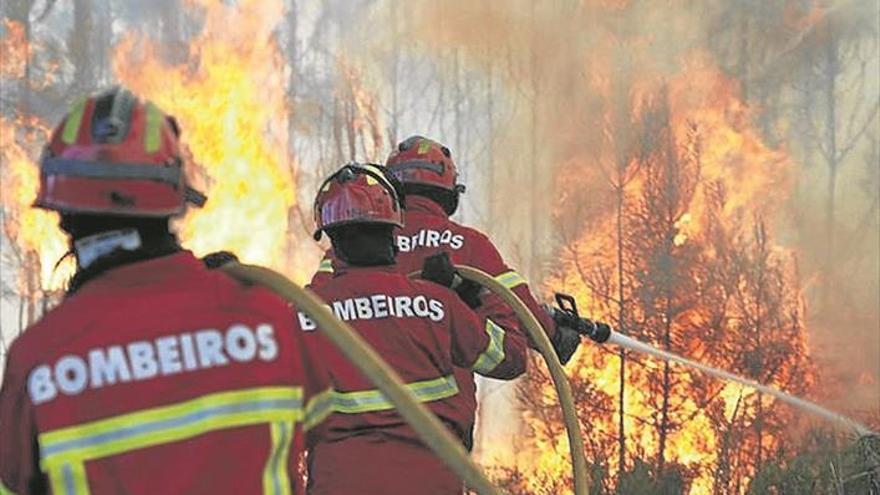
<point>35,232</point>
<point>729,180</point>
<point>230,100</point>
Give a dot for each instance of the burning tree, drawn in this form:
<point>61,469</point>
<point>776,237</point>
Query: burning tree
<point>699,275</point>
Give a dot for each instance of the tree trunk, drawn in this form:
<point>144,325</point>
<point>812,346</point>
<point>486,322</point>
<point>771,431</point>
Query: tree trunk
<point>664,408</point>
<point>534,176</point>
<point>621,429</point>
<point>81,48</point>
<point>490,146</point>
<point>832,161</point>
<point>759,350</point>
<point>395,78</point>
<point>293,80</point>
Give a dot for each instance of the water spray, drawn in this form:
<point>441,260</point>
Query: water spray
<point>849,423</point>
<point>601,333</point>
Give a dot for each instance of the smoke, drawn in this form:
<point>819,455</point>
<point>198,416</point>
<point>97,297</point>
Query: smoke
<point>522,91</point>
<point>571,75</point>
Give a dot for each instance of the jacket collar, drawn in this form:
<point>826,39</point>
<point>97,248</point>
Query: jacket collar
<point>343,268</point>
<point>421,204</point>
<point>149,271</point>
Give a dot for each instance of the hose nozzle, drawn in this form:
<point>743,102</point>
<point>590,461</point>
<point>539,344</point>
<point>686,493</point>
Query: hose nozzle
<point>567,314</point>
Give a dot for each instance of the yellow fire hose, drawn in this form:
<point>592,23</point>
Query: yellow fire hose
<point>563,387</point>
<point>365,358</point>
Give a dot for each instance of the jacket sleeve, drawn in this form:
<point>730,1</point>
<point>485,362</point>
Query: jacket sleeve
<point>19,455</point>
<point>325,269</point>
<point>483,346</point>
<point>487,258</point>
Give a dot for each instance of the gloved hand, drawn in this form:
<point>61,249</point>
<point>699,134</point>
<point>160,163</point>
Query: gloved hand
<point>565,342</point>
<point>219,258</point>
<point>439,269</point>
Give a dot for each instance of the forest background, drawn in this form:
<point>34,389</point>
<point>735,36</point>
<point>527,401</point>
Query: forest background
<point>705,175</point>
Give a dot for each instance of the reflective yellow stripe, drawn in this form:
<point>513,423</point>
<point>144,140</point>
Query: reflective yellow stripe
<point>276,480</point>
<point>326,266</point>
<point>425,146</point>
<point>4,490</point>
<point>63,452</point>
<point>510,279</point>
<point>375,400</point>
<point>494,353</point>
<point>69,478</point>
<point>318,408</point>
<point>380,174</point>
<point>207,407</point>
<point>152,135</point>
<point>74,121</point>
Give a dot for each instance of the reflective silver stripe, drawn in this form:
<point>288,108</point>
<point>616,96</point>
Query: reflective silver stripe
<point>375,400</point>
<point>101,170</point>
<point>64,452</point>
<point>494,353</point>
<point>421,164</point>
<point>318,408</point>
<point>326,266</point>
<point>510,279</point>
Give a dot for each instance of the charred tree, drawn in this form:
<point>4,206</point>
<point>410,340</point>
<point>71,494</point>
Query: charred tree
<point>836,109</point>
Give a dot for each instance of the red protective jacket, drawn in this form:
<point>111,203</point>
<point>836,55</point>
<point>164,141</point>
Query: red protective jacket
<point>423,331</point>
<point>159,377</point>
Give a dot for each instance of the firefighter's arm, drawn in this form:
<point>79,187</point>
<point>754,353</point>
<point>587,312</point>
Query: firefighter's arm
<point>565,340</point>
<point>19,461</point>
<point>484,346</point>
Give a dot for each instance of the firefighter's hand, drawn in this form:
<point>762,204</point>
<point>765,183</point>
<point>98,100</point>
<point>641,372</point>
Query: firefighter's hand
<point>219,258</point>
<point>567,338</point>
<point>439,269</point>
<point>469,292</point>
<point>565,342</point>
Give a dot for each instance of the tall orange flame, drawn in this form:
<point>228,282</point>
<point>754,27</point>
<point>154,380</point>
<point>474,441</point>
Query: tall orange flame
<point>230,99</point>
<point>13,49</point>
<point>739,181</point>
<point>35,232</point>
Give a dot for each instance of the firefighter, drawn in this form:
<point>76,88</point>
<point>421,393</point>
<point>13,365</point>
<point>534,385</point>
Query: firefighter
<point>155,374</point>
<point>423,330</point>
<point>430,181</point>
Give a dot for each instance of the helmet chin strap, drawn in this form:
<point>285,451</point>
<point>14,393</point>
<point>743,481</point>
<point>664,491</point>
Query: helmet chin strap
<point>94,247</point>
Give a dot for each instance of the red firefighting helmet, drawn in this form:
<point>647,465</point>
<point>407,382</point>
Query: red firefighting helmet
<point>419,160</point>
<point>115,154</point>
<point>358,193</point>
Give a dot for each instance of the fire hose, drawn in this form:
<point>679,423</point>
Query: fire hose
<point>435,435</point>
<point>560,381</point>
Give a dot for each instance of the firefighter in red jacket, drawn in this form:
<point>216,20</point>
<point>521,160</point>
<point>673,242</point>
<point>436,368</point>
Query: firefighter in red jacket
<point>155,374</point>
<point>423,330</point>
<point>430,181</point>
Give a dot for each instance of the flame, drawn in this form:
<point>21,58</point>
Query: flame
<point>710,125</point>
<point>230,100</point>
<point>34,231</point>
<point>13,49</point>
